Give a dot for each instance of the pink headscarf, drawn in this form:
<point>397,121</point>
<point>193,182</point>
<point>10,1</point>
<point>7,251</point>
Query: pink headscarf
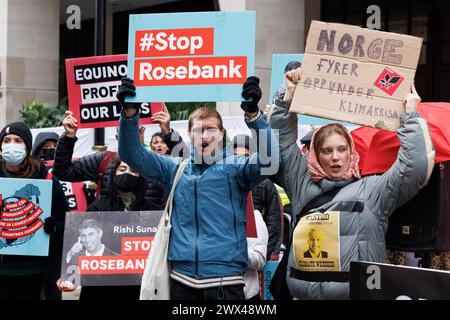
<point>315,169</point>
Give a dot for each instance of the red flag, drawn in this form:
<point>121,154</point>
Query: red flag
<point>378,149</point>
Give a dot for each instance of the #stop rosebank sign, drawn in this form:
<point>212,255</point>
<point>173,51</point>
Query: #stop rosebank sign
<point>356,75</point>
<point>181,57</point>
<point>93,83</point>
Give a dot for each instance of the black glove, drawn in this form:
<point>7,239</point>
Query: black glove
<point>50,225</point>
<point>127,88</point>
<point>251,90</point>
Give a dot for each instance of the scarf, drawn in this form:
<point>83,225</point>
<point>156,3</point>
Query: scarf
<point>315,169</point>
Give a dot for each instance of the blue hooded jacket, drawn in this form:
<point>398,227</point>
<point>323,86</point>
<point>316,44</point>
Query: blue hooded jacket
<point>208,237</point>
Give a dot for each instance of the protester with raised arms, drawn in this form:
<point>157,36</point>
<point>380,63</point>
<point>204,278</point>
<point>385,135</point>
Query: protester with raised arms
<point>328,179</point>
<point>208,247</point>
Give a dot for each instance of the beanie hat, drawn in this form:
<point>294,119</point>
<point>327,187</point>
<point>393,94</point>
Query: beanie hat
<point>20,129</point>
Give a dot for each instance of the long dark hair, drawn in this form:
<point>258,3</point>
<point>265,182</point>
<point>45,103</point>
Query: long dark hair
<point>28,168</point>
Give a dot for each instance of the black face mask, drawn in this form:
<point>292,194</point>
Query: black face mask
<point>126,182</point>
<point>48,154</point>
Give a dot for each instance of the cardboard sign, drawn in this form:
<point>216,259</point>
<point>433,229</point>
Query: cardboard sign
<point>379,281</point>
<point>316,242</point>
<point>181,57</point>
<point>356,75</point>
<point>24,205</point>
<point>92,84</point>
<point>279,62</point>
<point>107,248</point>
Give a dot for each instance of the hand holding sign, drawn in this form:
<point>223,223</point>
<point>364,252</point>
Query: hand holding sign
<point>412,100</point>
<point>70,125</point>
<point>50,225</point>
<point>251,90</point>
<point>127,88</point>
<point>65,285</point>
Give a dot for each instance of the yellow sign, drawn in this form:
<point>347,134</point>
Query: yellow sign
<point>316,242</point>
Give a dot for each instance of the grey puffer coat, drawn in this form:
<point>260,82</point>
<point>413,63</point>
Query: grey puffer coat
<point>362,231</point>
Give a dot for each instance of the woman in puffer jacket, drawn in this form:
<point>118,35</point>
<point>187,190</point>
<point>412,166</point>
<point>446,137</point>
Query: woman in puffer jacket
<point>350,225</point>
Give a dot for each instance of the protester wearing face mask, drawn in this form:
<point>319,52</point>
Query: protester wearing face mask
<point>24,277</point>
<point>44,146</point>
<point>127,190</point>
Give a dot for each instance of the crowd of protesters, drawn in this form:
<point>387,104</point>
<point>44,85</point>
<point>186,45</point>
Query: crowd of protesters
<point>210,254</point>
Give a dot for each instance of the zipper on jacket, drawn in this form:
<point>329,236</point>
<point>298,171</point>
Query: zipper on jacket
<point>197,228</point>
<point>234,213</point>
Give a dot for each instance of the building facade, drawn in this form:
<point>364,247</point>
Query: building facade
<point>35,39</point>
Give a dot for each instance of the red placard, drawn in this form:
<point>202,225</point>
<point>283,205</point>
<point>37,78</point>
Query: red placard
<point>190,71</point>
<point>112,264</point>
<point>93,83</point>
<point>136,246</point>
<point>174,42</point>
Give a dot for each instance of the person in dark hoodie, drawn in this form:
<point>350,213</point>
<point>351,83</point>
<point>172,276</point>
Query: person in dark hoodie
<point>44,146</point>
<point>27,277</point>
<point>127,191</point>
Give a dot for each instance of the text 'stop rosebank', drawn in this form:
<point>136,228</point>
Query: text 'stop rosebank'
<point>203,56</point>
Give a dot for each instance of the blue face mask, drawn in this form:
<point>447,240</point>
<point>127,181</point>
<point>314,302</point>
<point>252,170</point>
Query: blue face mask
<point>14,153</point>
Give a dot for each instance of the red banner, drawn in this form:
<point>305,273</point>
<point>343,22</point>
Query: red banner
<point>112,264</point>
<point>23,232</point>
<point>18,213</point>
<point>190,71</point>
<point>174,42</point>
<point>16,224</point>
<point>15,205</point>
<point>136,246</point>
